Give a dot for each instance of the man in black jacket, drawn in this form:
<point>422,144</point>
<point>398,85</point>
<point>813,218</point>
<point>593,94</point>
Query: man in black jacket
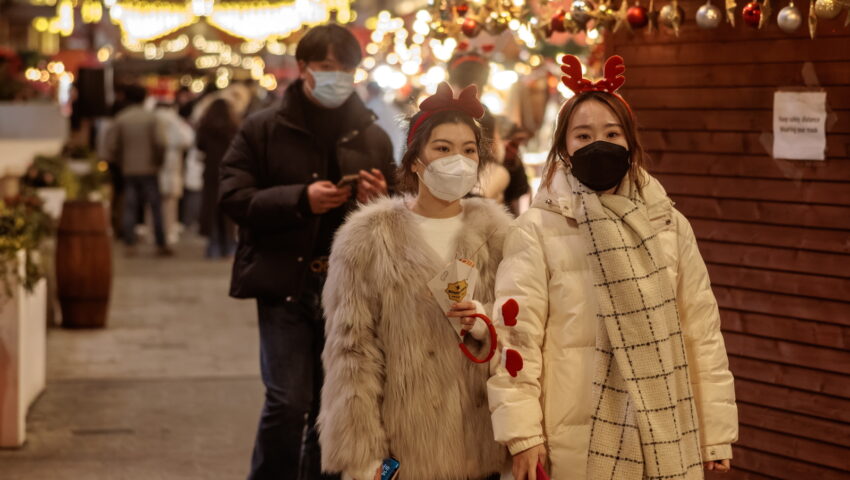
<point>281,183</point>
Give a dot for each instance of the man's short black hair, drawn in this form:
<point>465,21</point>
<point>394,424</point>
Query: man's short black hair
<point>315,44</point>
<point>135,94</point>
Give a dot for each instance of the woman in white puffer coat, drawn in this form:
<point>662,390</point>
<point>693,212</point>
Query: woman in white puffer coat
<point>624,372</point>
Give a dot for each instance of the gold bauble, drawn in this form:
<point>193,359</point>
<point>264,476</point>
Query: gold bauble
<point>827,9</point>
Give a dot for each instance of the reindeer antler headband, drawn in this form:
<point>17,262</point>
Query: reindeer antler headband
<point>444,101</point>
<point>610,83</point>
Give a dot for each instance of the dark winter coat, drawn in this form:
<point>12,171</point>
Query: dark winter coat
<point>264,178</point>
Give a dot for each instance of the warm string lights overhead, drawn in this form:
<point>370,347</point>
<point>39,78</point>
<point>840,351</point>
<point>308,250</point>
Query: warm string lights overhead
<point>143,20</point>
<point>253,21</point>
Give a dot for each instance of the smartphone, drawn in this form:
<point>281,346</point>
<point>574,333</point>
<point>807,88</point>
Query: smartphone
<point>541,474</point>
<point>389,470</point>
<point>348,180</point>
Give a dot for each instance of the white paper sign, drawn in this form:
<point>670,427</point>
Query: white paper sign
<point>455,283</point>
<point>799,125</point>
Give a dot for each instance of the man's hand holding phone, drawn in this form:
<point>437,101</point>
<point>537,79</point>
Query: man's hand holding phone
<point>325,196</point>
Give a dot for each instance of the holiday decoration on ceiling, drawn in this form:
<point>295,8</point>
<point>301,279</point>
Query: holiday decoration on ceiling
<point>709,16</point>
<point>638,16</point>
<point>672,16</point>
<point>752,14</point>
<point>789,18</point>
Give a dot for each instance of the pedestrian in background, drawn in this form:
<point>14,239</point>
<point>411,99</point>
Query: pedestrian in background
<point>136,143</point>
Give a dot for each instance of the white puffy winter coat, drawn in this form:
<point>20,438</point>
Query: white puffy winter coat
<point>545,269</point>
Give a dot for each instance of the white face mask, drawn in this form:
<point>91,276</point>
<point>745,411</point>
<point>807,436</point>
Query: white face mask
<point>332,88</point>
<point>450,178</point>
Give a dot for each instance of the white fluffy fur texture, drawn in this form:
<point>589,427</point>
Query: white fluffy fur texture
<point>396,383</point>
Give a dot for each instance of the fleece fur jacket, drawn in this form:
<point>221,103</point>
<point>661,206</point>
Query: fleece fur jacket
<point>396,383</point>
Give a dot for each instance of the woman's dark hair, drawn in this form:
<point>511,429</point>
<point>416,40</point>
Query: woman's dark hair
<point>219,119</point>
<point>469,68</point>
<point>316,43</point>
<point>407,179</point>
<point>559,155</point>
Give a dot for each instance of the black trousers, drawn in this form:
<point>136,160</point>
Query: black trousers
<point>291,342</point>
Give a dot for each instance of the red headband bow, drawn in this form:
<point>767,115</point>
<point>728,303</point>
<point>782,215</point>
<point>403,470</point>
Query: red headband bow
<point>444,101</point>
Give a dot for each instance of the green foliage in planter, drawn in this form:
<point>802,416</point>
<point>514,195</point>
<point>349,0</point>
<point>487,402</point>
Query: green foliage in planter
<point>53,171</point>
<point>23,226</point>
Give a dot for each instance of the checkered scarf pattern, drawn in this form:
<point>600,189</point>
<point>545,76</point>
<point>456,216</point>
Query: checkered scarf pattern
<point>644,423</point>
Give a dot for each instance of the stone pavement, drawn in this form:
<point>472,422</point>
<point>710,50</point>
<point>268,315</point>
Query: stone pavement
<point>169,390</point>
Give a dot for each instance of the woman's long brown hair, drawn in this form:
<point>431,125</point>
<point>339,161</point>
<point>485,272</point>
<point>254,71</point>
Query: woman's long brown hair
<point>558,153</point>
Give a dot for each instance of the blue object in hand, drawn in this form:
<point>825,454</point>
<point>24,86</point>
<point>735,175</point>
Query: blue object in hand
<point>389,469</point>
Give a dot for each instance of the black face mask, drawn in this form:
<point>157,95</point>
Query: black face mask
<point>601,165</point>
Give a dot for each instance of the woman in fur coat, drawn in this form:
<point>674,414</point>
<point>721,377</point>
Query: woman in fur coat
<point>396,383</point>
<point>625,374</point>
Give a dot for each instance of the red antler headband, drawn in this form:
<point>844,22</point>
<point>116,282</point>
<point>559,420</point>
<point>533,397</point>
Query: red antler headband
<point>444,101</point>
<point>610,83</point>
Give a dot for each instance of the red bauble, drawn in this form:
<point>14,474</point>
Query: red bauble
<point>557,23</point>
<point>637,16</point>
<point>471,28</point>
<point>752,14</point>
<point>462,9</point>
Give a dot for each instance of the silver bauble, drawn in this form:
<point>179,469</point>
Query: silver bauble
<point>581,10</point>
<point>709,16</point>
<point>789,19</point>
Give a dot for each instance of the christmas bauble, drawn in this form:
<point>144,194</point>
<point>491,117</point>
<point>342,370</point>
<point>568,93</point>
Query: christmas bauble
<point>668,16</point>
<point>581,11</point>
<point>471,28</point>
<point>827,9</point>
<point>462,9</point>
<point>497,25</point>
<point>637,16</point>
<point>709,16</point>
<point>789,19</point>
<point>557,23</point>
<point>752,14</point>
<point>439,32</point>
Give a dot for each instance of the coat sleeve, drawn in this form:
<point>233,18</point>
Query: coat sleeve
<point>515,401</point>
<point>241,196</point>
<point>351,431</point>
<point>711,380</point>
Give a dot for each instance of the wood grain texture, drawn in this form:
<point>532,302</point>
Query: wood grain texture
<point>775,233</point>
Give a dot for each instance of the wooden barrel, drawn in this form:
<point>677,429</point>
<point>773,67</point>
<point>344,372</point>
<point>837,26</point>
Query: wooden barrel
<point>83,265</point>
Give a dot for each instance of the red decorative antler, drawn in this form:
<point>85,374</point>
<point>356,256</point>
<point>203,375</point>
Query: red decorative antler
<point>612,81</point>
<point>614,78</point>
<point>572,74</point>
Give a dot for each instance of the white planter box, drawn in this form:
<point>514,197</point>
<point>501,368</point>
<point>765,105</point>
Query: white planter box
<point>22,358</point>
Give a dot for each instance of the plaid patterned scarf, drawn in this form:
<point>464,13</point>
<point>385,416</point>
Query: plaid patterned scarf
<point>644,424</point>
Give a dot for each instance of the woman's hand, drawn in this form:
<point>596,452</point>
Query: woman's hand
<point>525,462</point>
<point>721,466</point>
<point>464,311</point>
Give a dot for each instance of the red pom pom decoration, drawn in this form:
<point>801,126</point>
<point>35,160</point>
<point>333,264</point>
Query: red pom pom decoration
<point>462,9</point>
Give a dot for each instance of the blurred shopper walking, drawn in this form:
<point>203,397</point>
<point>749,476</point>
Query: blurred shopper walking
<point>136,143</point>
<point>178,137</point>
<point>288,180</point>
<point>216,130</point>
